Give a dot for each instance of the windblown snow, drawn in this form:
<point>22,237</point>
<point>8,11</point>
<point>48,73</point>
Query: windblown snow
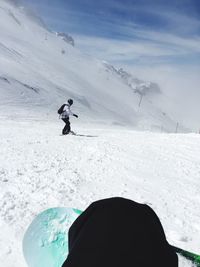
<point>40,169</point>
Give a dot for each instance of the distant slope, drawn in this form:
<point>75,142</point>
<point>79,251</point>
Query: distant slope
<point>39,71</point>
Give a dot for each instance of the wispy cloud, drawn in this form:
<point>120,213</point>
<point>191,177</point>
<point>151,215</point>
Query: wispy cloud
<point>145,44</point>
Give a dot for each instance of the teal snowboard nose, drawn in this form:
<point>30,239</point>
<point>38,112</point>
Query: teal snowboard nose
<point>45,242</point>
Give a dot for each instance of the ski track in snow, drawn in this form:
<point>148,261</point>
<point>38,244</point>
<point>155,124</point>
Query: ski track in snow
<point>42,169</point>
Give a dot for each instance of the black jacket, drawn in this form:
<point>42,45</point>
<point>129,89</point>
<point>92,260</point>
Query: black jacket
<point>118,232</point>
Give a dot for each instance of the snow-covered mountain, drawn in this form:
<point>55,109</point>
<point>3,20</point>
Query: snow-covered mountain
<point>39,71</point>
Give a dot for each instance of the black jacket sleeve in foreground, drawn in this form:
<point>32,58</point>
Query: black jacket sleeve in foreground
<point>118,232</point>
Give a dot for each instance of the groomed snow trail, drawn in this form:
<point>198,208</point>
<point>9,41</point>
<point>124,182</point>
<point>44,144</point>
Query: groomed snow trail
<point>41,169</point>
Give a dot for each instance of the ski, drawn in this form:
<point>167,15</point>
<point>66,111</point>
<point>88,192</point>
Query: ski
<point>188,255</point>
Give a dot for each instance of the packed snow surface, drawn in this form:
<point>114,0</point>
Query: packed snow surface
<point>40,169</point>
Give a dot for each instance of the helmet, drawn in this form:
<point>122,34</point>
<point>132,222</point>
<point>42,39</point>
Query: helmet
<point>70,101</point>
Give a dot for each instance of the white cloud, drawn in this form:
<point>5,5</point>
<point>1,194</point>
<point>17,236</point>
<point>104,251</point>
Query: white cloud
<point>186,44</point>
<point>156,47</point>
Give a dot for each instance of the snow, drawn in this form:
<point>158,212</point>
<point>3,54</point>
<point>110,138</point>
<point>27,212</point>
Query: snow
<point>42,169</point>
<point>111,156</point>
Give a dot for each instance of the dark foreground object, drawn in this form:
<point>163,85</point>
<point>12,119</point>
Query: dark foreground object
<point>119,232</point>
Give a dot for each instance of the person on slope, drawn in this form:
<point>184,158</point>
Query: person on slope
<point>65,112</point>
<point>119,232</point>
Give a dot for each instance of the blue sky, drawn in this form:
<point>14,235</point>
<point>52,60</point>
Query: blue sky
<point>80,16</point>
<point>155,31</point>
<point>156,40</point>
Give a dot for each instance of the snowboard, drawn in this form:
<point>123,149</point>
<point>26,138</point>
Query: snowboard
<point>45,243</point>
<point>70,133</point>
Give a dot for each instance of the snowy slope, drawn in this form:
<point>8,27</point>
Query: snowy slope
<point>39,71</point>
<point>39,171</point>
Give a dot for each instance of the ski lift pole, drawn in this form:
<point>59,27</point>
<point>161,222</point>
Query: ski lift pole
<point>141,97</point>
<point>177,127</point>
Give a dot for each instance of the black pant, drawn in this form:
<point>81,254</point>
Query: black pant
<point>67,127</point>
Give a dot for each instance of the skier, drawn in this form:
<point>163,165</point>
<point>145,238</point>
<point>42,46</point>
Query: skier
<point>65,112</point>
<point>119,232</point>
